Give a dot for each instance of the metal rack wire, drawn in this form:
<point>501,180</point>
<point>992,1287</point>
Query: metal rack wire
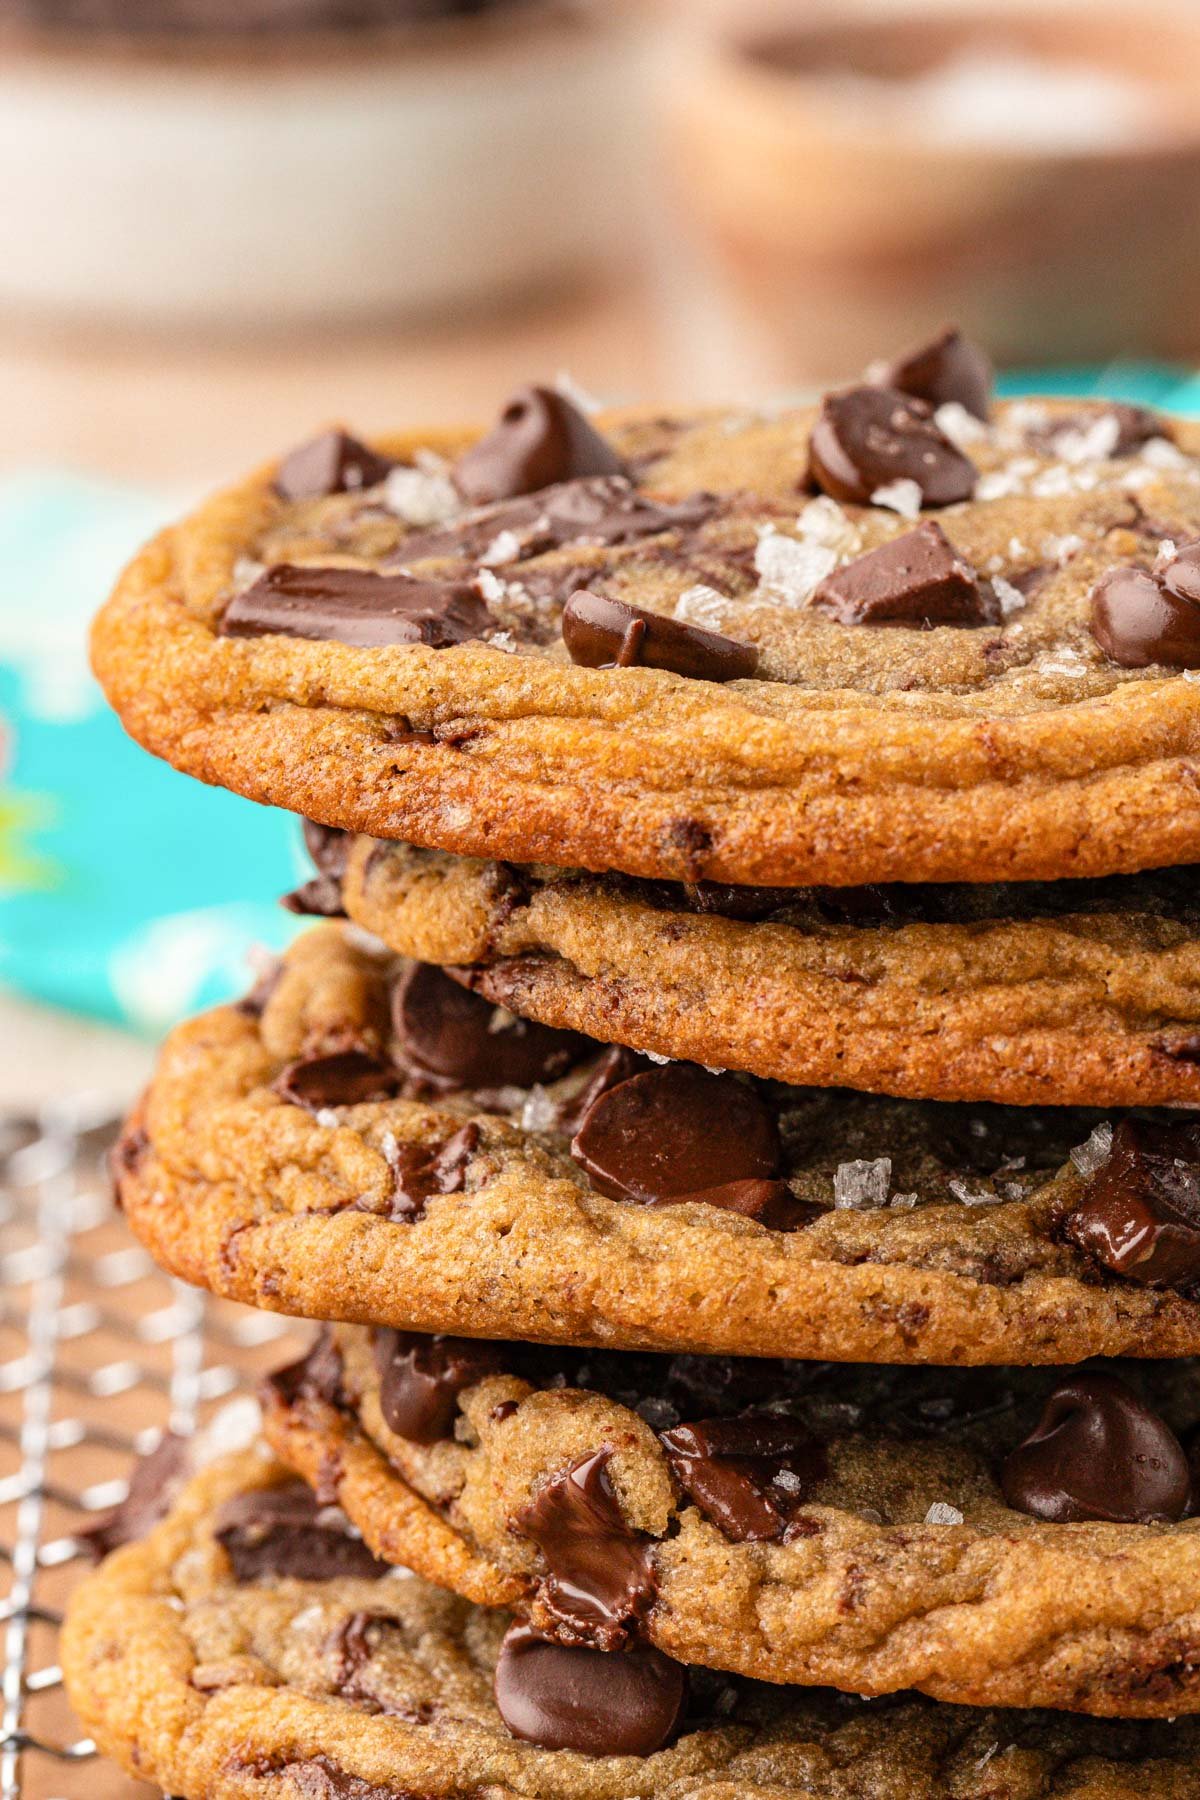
<point>99,1352</point>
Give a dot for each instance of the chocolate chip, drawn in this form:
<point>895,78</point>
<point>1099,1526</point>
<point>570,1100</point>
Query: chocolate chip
<point>421,1172</point>
<point>447,1032</point>
<point>540,438</point>
<point>316,1778</point>
<point>347,1078</point>
<point>422,1377</point>
<point>601,633</point>
<point>674,1133</point>
<point>572,1698</point>
<point>1185,1049</point>
<point>317,1375</point>
<point>868,437</point>
<point>1140,1212</point>
<point>599,1581</point>
<point>357,607</point>
<point>333,463</point>
<point>949,368</point>
<point>1098,1453</point>
<point>604,510</point>
<point>322,896</point>
<point>727,901</point>
<point>1143,616</point>
<point>153,1483</point>
<point>748,1474</point>
<point>282,1531</point>
<point>616,1065</point>
<point>916,579</point>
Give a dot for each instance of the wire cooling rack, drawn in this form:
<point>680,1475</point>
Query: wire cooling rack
<point>99,1353</point>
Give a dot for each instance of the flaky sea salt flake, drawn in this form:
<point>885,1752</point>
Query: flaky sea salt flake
<point>902,496</point>
<point>863,1185</point>
<point>702,606</point>
<point>1094,1151</point>
<point>420,496</point>
<point>791,569</point>
<point>942,1514</point>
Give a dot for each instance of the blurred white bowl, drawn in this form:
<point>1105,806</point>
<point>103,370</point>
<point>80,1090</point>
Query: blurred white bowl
<point>409,171</point>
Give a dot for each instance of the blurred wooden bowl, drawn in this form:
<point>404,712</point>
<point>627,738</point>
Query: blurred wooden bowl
<point>227,184</point>
<point>844,237</point>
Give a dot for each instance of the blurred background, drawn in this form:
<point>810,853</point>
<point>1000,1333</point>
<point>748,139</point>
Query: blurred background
<point>228,222</point>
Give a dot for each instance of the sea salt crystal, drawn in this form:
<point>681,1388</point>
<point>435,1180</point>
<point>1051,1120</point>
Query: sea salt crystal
<point>788,1482</point>
<point>1094,442</point>
<point>863,1185</point>
<point>505,547</point>
<point>702,606</point>
<point>503,1020</point>
<point>1166,553</point>
<point>942,1514</point>
<point>421,496</point>
<point>998,484</point>
<point>655,1057</point>
<point>904,1202</point>
<point>1016,549</point>
<point>970,1196</point>
<point>959,425</point>
<point>791,569</point>
<point>1161,453</point>
<point>504,640</point>
<point>540,1111</point>
<point>1062,549</point>
<point>1011,599</point>
<point>326,1116</point>
<point>1065,662</point>
<point>824,522</point>
<point>490,586</point>
<point>903,497</point>
<point>981,1762</point>
<point>1094,1153</point>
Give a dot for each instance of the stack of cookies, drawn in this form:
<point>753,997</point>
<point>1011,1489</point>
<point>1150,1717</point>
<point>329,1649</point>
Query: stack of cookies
<point>730,1122</point>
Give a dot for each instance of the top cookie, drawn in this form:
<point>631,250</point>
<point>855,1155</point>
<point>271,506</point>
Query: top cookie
<point>866,641</point>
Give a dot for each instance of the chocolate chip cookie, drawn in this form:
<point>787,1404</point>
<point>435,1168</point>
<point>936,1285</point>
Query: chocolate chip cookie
<point>1013,1538</point>
<point>1068,993</point>
<point>884,639</point>
<point>366,1140</point>
<point>206,1662</point>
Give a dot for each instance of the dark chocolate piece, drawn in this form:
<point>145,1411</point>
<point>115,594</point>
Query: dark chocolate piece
<point>421,1378</point>
<point>603,509</point>
<point>747,1474</point>
<point>322,896</point>
<point>676,1133</point>
<point>916,579</point>
<point>866,438</point>
<point>600,1582</point>
<point>316,1375</point>
<point>447,1031</point>
<point>283,1531</point>
<point>347,1078</point>
<point>950,367</point>
<point>153,1483</point>
<point>356,607</point>
<point>1098,1453</point>
<point>421,1171</point>
<point>333,463</point>
<point>1142,616</point>
<point>1140,1212</point>
<point>1136,425</point>
<point>601,633</point>
<point>574,1698</point>
<point>540,438</point>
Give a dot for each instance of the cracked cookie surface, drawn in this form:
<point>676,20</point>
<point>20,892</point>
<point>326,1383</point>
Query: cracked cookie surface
<point>275,1688</point>
<point>872,1549</point>
<point>1078,993</point>
<point>908,1232</point>
<point>1008,745</point>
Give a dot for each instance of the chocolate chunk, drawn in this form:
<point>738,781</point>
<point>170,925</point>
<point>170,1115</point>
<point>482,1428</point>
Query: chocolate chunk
<point>254,1004</point>
<point>599,1581</point>
<point>1185,1049</point>
<point>447,1032</point>
<point>422,1377</point>
<point>948,368</point>
<point>347,1078</point>
<point>333,463</point>
<point>421,1172</point>
<point>540,438</point>
<point>1098,1453</point>
<point>1140,1212</point>
<point>675,1133</point>
<point>357,607</point>
<point>748,1474</point>
<point>317,1375</point>
<point>603,510</point>
<point>573,1698</point>
<point>318,1779</point>
<point>1143,616</point>
<point>153,1483</point>
<point>728,901</point>
<point>917,579</point>
<point>322,897</point>
<point>868,437</point>
<point>283,1531</point>
<point>616,1065</point>
<point>602,633</point>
